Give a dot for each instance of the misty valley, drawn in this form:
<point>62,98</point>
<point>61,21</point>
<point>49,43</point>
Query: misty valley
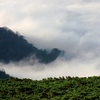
<point>29,73</point>
<point>49,50</point>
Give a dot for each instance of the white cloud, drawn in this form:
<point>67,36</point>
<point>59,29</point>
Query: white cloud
<point>70,25</point>
<point>61,67</point>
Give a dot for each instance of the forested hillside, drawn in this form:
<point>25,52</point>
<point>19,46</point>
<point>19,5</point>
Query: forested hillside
<point>69,88</point>
<point>14,47</point>
<point>3,74</point>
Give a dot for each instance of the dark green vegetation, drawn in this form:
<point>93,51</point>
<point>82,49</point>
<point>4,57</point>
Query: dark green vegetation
<point>13,47</point>
<point>69,88</point>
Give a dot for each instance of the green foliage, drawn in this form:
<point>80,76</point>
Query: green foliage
<point>69,88</point>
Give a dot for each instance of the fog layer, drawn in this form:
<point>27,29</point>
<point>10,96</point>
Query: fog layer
<point>69,25</point>
<point>59,68</point>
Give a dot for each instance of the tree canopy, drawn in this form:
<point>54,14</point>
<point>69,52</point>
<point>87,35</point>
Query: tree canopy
<point>62,88</point>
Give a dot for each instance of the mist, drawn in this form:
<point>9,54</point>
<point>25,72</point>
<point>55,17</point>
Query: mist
<point>60,67</point>
<point>69,25</point>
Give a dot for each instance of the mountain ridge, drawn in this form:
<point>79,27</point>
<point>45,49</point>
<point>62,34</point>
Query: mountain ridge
<point>14,47</point>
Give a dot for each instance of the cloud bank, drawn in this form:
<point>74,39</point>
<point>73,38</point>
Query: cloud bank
<point>70,25</point>
<point>59,68</point>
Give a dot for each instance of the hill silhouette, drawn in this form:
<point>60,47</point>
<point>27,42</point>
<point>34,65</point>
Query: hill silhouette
<point>3,74</point>
<point>14,47</point>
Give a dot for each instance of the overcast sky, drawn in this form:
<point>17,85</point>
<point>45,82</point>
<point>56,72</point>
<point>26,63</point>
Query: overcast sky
<point>70,25</point>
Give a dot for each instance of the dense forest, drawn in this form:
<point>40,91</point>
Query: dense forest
<point>14,47</point>
<point>62,88</point>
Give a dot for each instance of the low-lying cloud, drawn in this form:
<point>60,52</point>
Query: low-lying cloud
<point>69,25</point>
<point>58,68</point>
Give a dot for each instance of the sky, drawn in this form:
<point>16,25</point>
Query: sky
<point>69,25</point>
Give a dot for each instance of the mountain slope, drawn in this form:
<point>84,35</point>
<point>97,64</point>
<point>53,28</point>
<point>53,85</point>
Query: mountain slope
<point>13,47</point>
<point>3,75</point>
